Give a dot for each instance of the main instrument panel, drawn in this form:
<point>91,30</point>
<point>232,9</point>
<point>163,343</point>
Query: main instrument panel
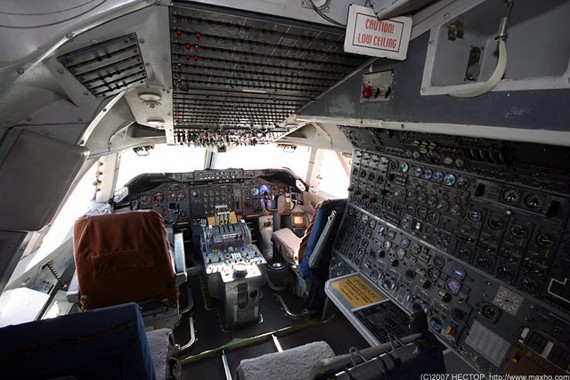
<point>475,232</point>
<point>182,197</point>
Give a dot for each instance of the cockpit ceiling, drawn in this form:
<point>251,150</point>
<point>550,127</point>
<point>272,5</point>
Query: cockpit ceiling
<point>241,75</point>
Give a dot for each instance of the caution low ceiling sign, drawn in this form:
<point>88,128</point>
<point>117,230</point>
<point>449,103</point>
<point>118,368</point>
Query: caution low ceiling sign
<point>367,35</point>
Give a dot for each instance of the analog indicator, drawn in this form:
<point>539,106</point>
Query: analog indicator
<point>484,262</point>
<point>391,235</point>
<point>417,172</point>
<point>438,261</point>
<point>181,195</point>
<point>519,231</point>
<point>496,223</point>
<point>462,182</point>
<point>530,284</point>
<point>264,189</point>
<point>437,176</point>
<point>145,199</point>
<point>533,201</point>
<point>427,174</point>
<point>255,191</point>
<point>512,196</point>
<point>449,179</point>
<point>400,253</point>
<point>416,248</point>
<point>158,197</point>
<point>433,273</point>
<point>544,240</point>
<point>422,212</point>
<point>195,193</point>
<point>505,273</point>
<point>508,300</point>
<point>386,245</point>
<point>404,167</point>
<point>404,242</point>
<point>464,253</point>
<point>458,273</point>
<point>474,215</point>
<point>453,286</point>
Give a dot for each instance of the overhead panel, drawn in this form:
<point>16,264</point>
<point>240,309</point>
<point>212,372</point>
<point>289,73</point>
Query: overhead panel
<point>238,76</point>
<point>109,67</point>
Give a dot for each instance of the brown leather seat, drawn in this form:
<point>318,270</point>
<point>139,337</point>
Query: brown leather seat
<point>123,258</point>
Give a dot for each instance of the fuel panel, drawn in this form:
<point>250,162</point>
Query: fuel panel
<point>473,231</point>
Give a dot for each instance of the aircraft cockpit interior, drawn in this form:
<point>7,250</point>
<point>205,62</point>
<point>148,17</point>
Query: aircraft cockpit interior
<point>311,189</point>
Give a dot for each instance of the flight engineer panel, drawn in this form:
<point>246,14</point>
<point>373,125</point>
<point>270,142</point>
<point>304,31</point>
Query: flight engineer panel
<point>474,232</point>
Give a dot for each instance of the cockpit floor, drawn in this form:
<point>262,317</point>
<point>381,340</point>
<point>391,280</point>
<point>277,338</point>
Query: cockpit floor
<point>204,358</point>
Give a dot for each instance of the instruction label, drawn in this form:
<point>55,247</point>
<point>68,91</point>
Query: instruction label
<point>366,34</point>
<point>356,291</point>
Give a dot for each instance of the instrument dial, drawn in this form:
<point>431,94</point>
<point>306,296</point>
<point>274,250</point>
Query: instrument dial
<point>533,201</point>
<point>449,179</point>
<point>404,167</point>
<point>158,197</point>
<point>427,174</point>
<point>453,286</point>
<point>145,199</point>
<point>458,273</point>
<point>519,231</point>
<point>544,240</point>
<point>437,176</point>
<point>512,196</point>
<point>475,215</point>
<point>417,172</point>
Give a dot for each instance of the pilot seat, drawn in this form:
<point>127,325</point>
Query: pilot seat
<point>127,257</point>
<point>309,256</point>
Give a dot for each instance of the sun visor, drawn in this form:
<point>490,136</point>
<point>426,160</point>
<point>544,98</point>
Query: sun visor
<point>36,172</point>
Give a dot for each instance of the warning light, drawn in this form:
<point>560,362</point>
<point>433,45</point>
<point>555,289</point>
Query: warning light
<point>198,35</point>
<point>196,47</point>
<point>366,91</point>
<point>187,56</point>
<point>196,58</point>
<point>188,46</point>
<point>178,32</point>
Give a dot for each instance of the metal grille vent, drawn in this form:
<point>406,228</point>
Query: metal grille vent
<point>242,72</point>
<point>109,67</point>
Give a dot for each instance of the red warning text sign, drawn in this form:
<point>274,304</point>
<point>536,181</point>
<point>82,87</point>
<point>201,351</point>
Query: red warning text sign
<point>366,34</point>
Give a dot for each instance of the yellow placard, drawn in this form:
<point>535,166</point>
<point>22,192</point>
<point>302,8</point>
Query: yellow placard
<point>356,291</point>
<point>233,219</point>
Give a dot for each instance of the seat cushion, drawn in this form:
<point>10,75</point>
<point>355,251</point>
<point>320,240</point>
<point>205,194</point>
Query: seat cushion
<point>122,258</point>
<point>294,363</point>
<point>288,243</point>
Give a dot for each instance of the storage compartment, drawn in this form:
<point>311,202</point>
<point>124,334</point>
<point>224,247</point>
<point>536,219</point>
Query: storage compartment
<point>463,51</point>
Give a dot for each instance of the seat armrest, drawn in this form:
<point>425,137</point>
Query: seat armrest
<point>73,289</point>
<point>180,259</point>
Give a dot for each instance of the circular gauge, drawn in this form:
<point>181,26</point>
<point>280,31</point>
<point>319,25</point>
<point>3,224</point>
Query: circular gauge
<point>145,199</point>
<point>505,273</point>
<point>484,262</point>
<point>449,179</point>
<point>437,176</point>
<point>417,172</point>
<point>533,201</point>
<point>264,189</point>
<point>416,248</point>
<point>453,286</point>
<point>386,245</point>
<point>433,273</point>
<point>496,223</point>
<point>464,253</point>
<point>254,191</point>
<point>438,261</point>
<point>181,195</point>
<point>382,230</point>
<point>427,174</point>
<point>195,193</point>
<point>404,167</point>
<point>462,182</point>
<point>391,235</point>
<point>442,206</point>
<point>158,197</point>
<point>411,208</point>
<point>422,212</point>
<point>511,196</point>
<point>519,231</point>
<point>372,223</point>
<point>458,273</point>
<point>544,240</point>
<point>433,217</point>
<point>400,253</point>
<point>404,242</point>
<point>529,284</point>
<point>474,215</point>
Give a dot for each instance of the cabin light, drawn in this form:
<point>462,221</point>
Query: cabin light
<point>254,91</point>
<point>150,97</point>
<point>156,122</point>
